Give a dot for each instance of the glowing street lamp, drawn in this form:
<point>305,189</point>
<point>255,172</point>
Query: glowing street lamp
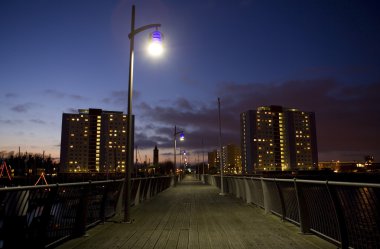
<point>156,38</point>
<point>155,46</point>
<point>181,138</point>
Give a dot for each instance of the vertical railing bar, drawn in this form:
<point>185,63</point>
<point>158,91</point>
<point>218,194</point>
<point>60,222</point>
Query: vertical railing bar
<point>283,210</point>
<point>265,196</point>
<point>339,215</point>
<point>81,214</point>
<point>103,204</point>
<point>45,216</point>
<point>303,213</point>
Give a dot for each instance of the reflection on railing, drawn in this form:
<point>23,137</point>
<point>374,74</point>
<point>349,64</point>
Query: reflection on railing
<point>42,216</point>
<point>345,213</point>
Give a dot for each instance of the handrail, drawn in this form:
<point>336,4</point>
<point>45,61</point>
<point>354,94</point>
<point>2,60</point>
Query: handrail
<point>45,215</point>
<point>344,213</point>
<point>356,184</point>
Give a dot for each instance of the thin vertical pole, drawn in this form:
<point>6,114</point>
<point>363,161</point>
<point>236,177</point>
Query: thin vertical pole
<point>127,190</point>
<point>203,162</point>
<point>203,157</point>
<point>175,149</point>
<point>221,157</point>
<point>198,167</point>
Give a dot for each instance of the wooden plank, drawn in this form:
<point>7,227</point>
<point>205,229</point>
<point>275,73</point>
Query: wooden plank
<point>194,216</point>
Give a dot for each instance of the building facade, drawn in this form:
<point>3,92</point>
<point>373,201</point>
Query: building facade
<point>275,138</point>
<point>93,140</point>
<point>213,159</point>
<point>231,154</point>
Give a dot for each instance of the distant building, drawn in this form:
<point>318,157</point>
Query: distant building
<point>276,138</point>
<point>155,157</point>
<point>349,166</point>
<point>213,159</point>
<point>231,156</point>
<point>93,140</point>
<point>231,159</point>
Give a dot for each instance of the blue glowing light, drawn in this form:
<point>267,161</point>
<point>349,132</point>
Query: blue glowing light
<point>156,36</point>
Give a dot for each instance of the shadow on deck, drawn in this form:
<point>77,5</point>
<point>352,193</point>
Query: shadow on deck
<point>194,215</point>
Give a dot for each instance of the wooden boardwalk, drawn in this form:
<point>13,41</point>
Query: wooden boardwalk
<point>194,216</point>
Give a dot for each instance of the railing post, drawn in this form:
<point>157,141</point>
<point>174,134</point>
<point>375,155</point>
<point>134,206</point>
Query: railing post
<point>283,209</point>
<point>137,197</point>
<point>172,180</point>
<point>102,214</point>
<point>303,212</point>
<point>237,187</point>
<point>148,191</point>
<point>81,216</point>
<point>248,196</point>
<point>266,196</point>
<point>339,216</point>
<point>40,232</point>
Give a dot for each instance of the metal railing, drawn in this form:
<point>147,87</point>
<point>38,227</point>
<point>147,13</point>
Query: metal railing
<point>344,213</point>
<point>43,216</point>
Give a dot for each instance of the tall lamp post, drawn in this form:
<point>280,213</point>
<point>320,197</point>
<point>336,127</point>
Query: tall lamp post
<point>203,162</point>
<point>155,48</point>
<point>181,138</point>
<point>221,152</point>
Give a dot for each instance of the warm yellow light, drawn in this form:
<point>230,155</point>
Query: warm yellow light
<point>155,49</point>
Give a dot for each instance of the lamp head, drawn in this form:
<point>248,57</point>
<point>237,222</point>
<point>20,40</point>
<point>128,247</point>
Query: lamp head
<point>181,136</point>
<point>155,47</point>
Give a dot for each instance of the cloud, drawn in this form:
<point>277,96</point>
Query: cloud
<point>77,97</point>
<point>184,104</point>
<point>346,115</point>
<point>71,110</point>
<point>58,94</point>
<point>11,95</point>
<point>198,122</point>
<point>37,121</point>
<point>10,121</point>
<point>54,93</point>
<point>22,108</point>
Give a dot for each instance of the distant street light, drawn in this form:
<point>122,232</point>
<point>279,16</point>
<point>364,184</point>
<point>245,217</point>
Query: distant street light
<point>181,138</point>
<point>156,38</point>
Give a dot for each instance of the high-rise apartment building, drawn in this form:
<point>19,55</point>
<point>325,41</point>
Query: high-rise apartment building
<point>278,138</point>
<point>231,159</point>
<point>93,140</point>
<point>213,159</point>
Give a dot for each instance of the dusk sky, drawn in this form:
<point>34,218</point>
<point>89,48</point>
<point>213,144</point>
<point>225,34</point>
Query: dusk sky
<point>314,55</point>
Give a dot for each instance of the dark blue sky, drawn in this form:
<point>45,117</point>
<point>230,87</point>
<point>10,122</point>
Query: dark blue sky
<point>314,55</point>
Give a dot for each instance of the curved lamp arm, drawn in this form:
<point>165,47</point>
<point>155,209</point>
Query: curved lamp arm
<point>136,31</point>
